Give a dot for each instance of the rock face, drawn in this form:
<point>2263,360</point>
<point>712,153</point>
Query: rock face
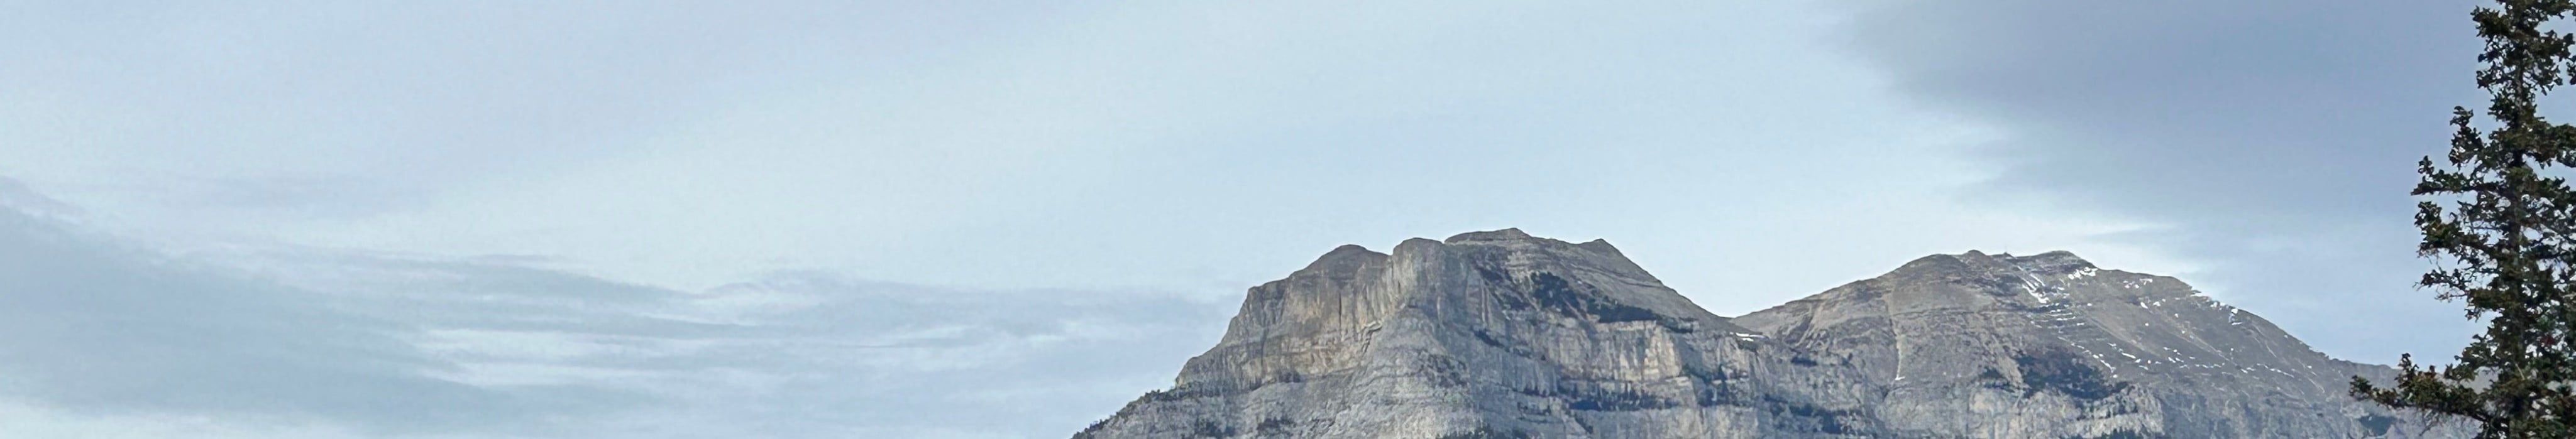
<point>1503,335</point>
<point>1977,345</point>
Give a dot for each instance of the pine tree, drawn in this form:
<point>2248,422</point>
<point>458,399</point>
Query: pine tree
<point>2505,244</point>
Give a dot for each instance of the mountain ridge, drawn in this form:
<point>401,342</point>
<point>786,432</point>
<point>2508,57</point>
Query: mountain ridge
<point>1503,334</point>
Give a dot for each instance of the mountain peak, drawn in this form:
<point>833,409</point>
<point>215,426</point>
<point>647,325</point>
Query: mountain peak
<point>1503,334</point>
<point>2051,261</point>
<point>2057,262</point>
<point>1344,259</point>
<point>1946,326</point>
<point>1508,234</point>
<point>1368,344</point>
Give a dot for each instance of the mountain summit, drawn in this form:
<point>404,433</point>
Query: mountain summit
<point>1500,334</point>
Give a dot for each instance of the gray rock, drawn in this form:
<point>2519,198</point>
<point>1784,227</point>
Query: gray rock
<point>1499,334</point>
<point>1977,345</point>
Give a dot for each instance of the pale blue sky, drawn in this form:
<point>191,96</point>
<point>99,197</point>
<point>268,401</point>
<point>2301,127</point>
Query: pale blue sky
<point>895,219</point>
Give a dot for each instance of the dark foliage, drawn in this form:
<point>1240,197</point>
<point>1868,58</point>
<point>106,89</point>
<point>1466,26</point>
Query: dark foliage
<point>2377,424</point>
<point>1445,371</point>
<point>1994,379</point>
<point>2500,225</point>
<point>2065,373</point>
<point>1273,426</point>
<point>1817,419</point>
<point>1724,393</point>
<point>1606,400</point>
<point>1558,294</point>
<point>1092,430</point>
<point>1677,325</point>
<point>1211,429</point>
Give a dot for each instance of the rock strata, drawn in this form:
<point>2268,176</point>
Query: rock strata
<point>1503,335</point>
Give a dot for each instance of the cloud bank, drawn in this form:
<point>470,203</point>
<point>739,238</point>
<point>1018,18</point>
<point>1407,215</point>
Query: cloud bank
<point>2273,142</point>
<point>100,338</point>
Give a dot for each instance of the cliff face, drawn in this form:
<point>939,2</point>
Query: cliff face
<point>1500,334</point>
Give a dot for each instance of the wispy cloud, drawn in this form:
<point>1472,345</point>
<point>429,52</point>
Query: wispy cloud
<point>105,338</point>
<point>92,326</point>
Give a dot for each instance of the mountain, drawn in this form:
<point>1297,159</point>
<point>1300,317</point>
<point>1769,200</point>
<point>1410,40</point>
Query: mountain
<point>2048,345</point>
<point>1503,335</point>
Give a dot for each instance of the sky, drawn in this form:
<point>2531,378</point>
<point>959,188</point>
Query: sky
<point>897,219</point>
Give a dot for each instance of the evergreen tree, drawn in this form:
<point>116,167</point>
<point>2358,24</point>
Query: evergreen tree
<point>2500,225</point>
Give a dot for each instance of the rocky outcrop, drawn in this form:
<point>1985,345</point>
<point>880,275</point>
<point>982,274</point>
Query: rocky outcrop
<point>1500,335</point>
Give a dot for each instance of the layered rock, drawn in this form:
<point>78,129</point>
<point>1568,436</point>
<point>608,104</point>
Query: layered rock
<point>1500,334</point>
<point>2048,345</point>
<point>1491,334</point>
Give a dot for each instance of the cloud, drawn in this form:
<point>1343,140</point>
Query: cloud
<point>104,338</point>
<point>2274,141</point>
<point>1205,145</point>
<point>90,325</point>
<point>797,354</point>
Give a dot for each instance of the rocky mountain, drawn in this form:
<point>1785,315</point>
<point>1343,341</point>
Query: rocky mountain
<point>2048,345</point>
<point>1503,335</point>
